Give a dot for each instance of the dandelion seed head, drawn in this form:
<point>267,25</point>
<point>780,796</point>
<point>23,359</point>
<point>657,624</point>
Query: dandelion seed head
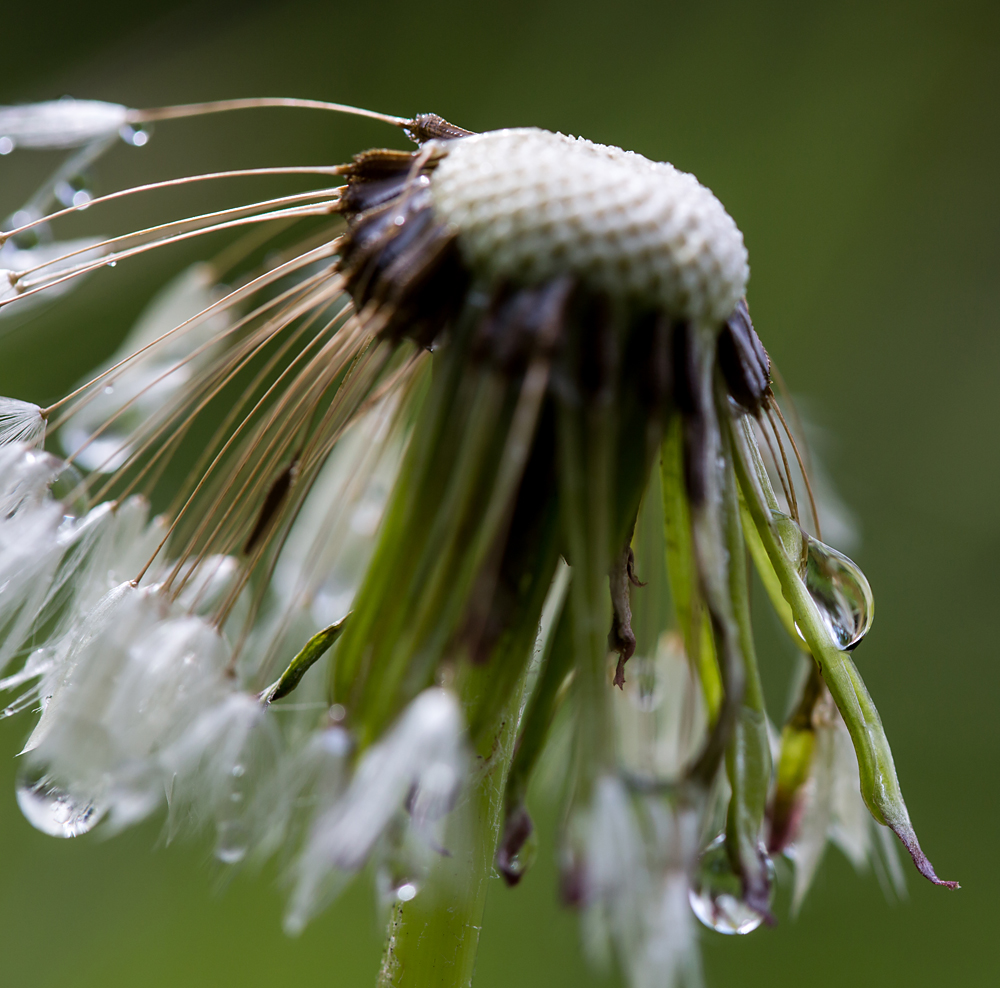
<point>573,296</point>
<point>531,205</point>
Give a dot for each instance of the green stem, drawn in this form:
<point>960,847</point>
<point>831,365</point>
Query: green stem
<point>683,574</point>
<point>748,757</point>
<point>705,488</point>
<point>583,449</point>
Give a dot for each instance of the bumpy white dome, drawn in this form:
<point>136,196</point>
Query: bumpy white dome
<point>528,204</point>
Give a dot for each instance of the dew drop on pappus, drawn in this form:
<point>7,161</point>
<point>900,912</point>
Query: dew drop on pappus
<point>52,809</point>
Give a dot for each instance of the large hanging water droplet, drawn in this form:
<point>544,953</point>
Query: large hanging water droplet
<point>52,810</point>
<point>840,592</point>
<point>836,584</point>
<point>716,893</point>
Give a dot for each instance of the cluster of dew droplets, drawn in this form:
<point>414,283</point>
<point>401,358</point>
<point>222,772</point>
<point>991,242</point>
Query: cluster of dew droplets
<point>716,893</point>
<point>232,833</point>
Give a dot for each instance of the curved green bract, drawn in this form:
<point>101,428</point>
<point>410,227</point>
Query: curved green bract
<point>311,652</point>
<point>748,757</point>
<point>879,783</point>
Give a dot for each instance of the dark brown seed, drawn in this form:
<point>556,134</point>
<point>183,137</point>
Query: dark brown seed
<point>275,496</point>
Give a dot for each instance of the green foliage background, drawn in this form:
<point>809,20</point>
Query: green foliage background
<point>856,144</point>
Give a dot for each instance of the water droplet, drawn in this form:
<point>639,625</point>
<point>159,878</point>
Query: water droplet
<point>841,592</point>
<point>112,264</point>
<point>716,893</point>
<point>406,892</point>
<point>6,145</point>
<point>136,136</point>
<point>232,841</point>
<point>238,771</point>
<point>836,584</point>
<point>52,810</point>
<point>110,389</point>
<point>73,191</point>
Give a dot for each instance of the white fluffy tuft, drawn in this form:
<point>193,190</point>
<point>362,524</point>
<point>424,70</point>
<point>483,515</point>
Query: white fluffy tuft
<point>637,852</point>
<point>21,422</point>
<point>62,123</point>
<point>418,767</point>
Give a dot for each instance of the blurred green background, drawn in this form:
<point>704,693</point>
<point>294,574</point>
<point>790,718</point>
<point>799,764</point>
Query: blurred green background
<point>858,147</point>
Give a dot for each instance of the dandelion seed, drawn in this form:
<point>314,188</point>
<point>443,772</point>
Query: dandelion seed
<point>56,257</point>
<point>419,766</point>
<point>221,770</point>
<point>8,285</point>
